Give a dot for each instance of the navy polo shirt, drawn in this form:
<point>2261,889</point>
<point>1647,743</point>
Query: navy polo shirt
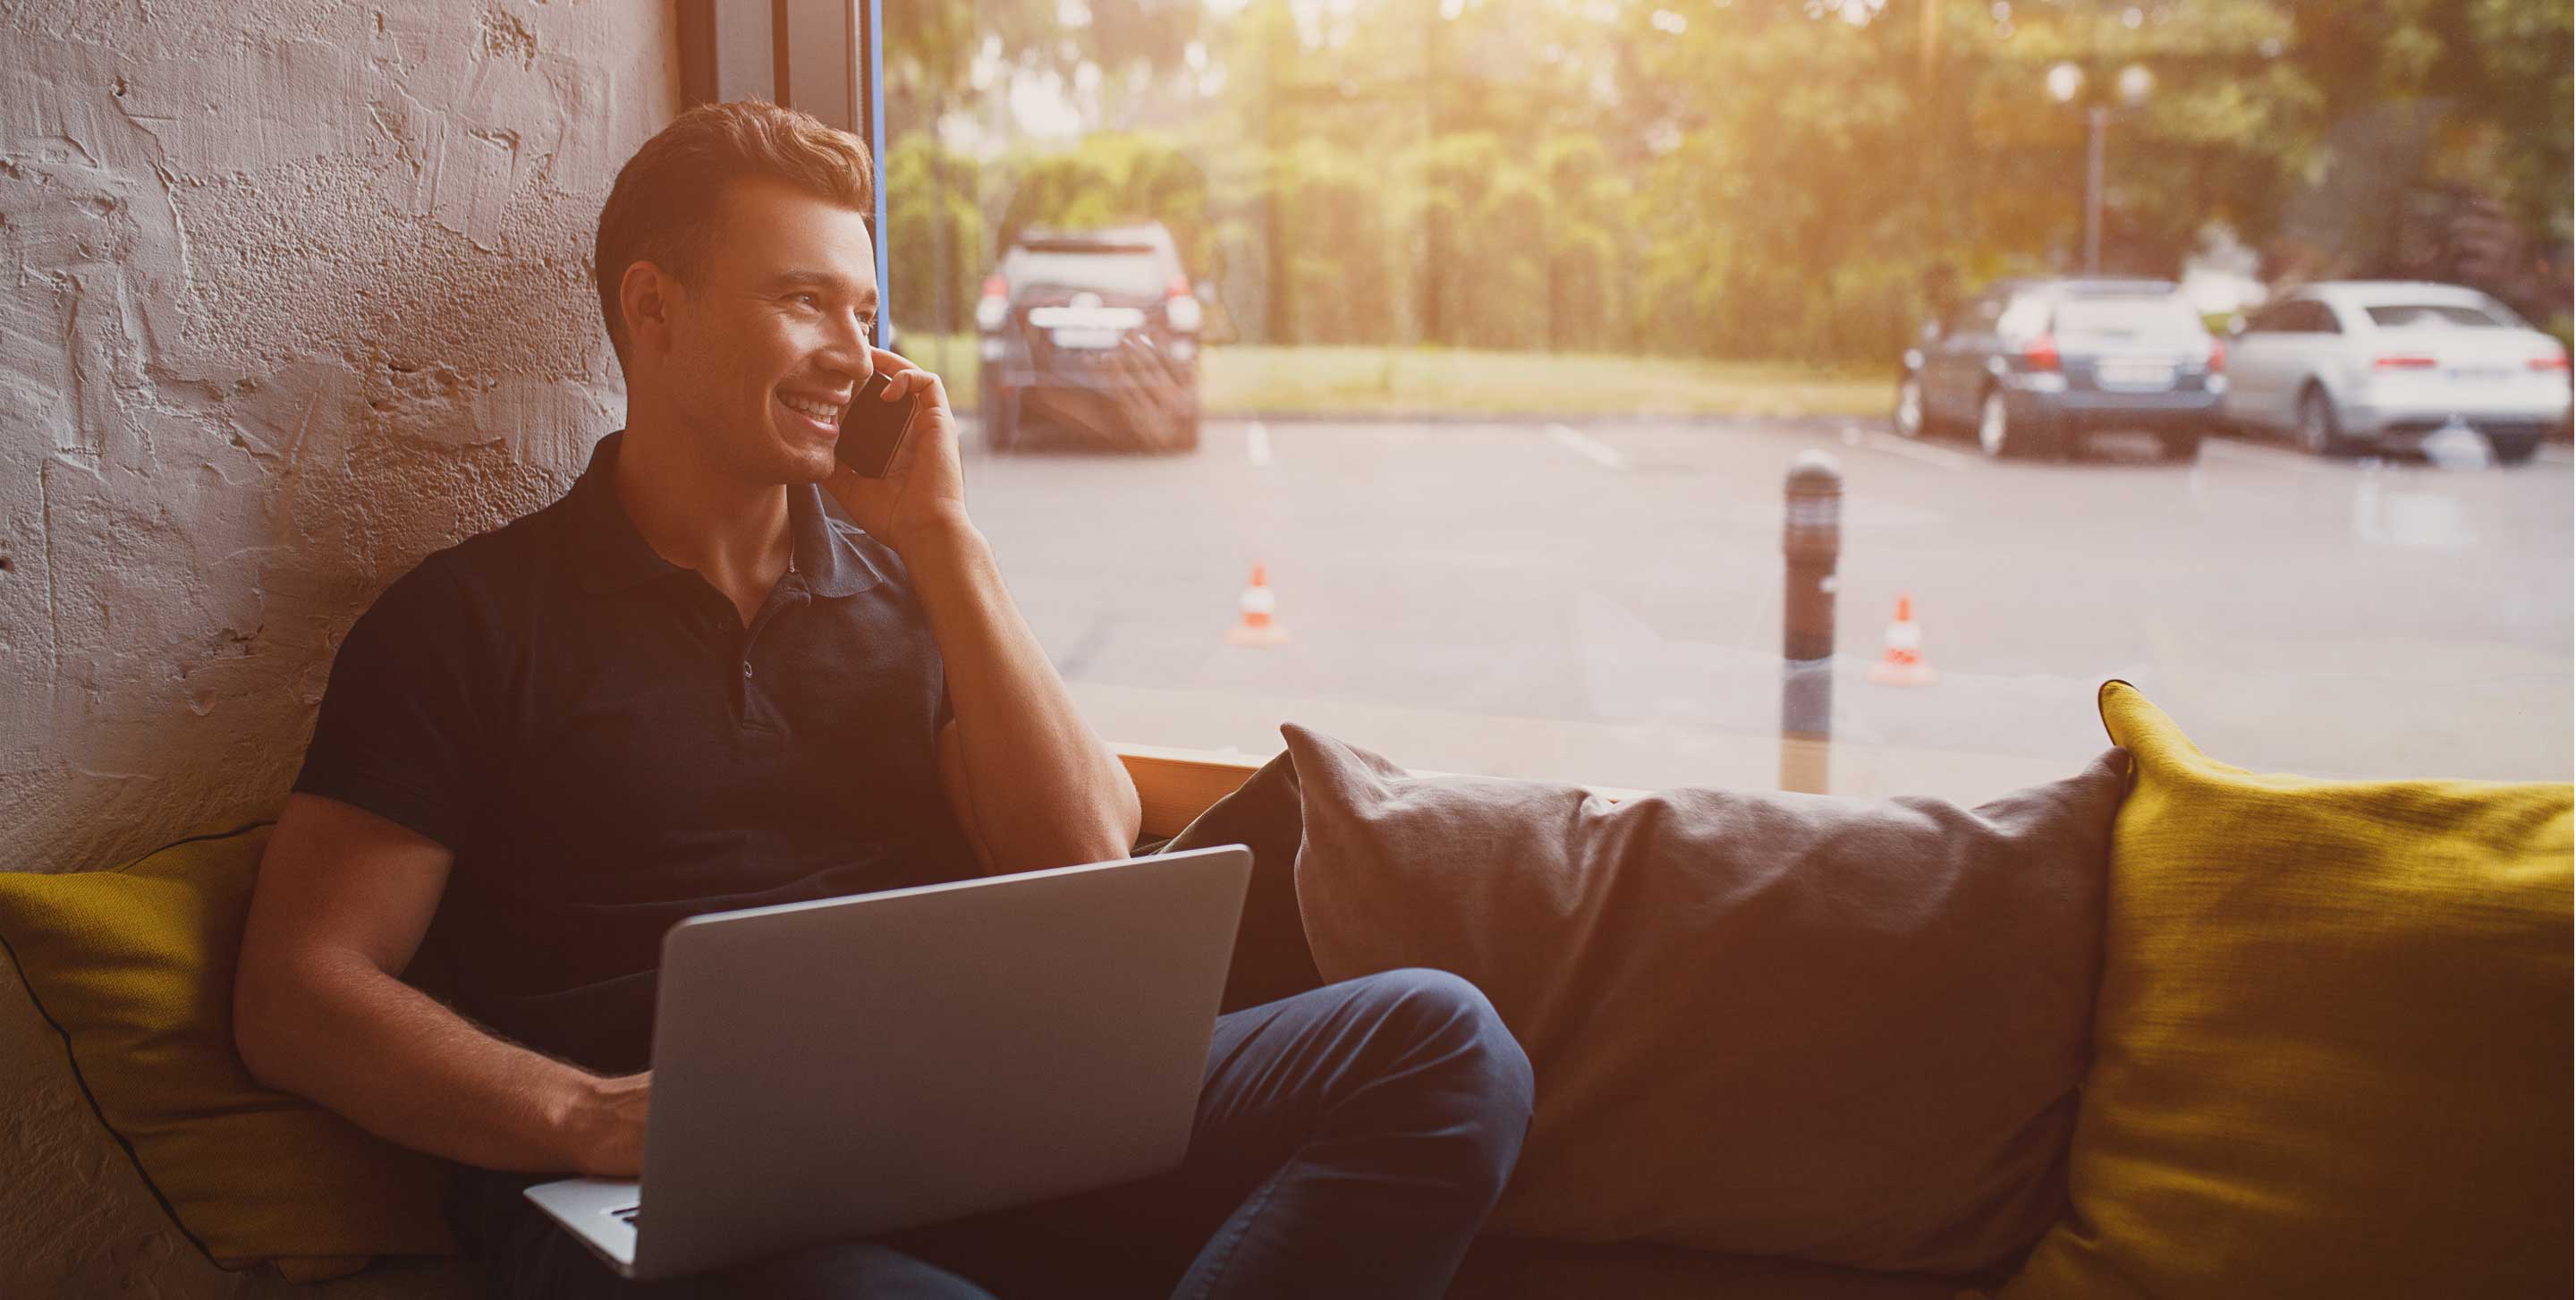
<point>607,750</point>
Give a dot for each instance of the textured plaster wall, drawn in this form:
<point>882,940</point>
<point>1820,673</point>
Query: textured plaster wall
<point>291,293</point>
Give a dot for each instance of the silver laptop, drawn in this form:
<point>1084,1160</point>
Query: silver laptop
<point>851,1066</point>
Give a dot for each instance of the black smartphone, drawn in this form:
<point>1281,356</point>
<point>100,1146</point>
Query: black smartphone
<point>873,429</point>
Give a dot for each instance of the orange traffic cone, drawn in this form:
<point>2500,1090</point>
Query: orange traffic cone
<point>1903,664</point>
<point>1257,626</point>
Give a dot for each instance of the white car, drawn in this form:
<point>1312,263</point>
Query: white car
<point>2351,365</point>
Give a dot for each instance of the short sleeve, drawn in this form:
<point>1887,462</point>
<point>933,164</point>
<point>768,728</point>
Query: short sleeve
<point>397,735</point>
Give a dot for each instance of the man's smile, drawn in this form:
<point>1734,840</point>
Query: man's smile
<point>823,413</point>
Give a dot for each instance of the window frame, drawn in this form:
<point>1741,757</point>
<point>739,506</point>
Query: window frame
<point>822,57</point>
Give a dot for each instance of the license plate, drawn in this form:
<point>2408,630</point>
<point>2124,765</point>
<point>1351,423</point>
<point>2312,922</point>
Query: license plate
<point>2138,374</point>
<point>1085,338</point>
<point>2480,376</point>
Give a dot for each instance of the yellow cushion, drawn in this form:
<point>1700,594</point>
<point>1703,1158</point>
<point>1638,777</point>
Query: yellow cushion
<point>134,967</point>
<point>2331,1050</point>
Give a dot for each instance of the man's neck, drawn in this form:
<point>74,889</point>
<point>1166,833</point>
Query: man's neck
<point>733,531</point>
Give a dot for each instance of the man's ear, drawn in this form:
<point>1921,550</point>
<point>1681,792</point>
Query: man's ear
<point>648,295</point>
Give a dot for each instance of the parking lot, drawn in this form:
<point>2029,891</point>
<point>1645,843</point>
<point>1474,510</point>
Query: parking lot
<point>1602,601</point>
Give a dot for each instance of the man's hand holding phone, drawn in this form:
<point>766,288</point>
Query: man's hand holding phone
<point>922,486</point>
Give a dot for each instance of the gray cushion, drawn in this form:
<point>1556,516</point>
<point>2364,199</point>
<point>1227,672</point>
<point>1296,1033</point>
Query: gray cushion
<point>1270,956</point>
<point>1762,1023</point>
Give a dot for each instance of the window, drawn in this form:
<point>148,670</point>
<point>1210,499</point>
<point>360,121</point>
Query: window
<point>1497,323</point>
<point>2435,315</point>
<point>2147,317</point>
<point>1127,267</point>
<point>2280,318</point>
<point>2298,316</point>
<point>2025,317</point>
<point>1976,317</point>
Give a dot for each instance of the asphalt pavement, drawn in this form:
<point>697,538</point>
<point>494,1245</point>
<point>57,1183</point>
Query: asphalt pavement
<point>1601,601</point>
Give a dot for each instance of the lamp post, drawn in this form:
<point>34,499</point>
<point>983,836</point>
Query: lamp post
<point>2066,82</point>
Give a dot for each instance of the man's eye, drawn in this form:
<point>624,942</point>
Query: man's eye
<point>807,300</point>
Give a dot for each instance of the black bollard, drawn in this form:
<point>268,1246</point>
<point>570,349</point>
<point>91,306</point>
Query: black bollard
<point>1811,539</point>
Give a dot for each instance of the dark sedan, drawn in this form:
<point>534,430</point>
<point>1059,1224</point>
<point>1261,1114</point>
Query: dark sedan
<point>1092,335</point>
<point>2031,366</point>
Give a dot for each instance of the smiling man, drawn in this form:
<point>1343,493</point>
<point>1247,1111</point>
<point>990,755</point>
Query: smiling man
<point>723,671</point>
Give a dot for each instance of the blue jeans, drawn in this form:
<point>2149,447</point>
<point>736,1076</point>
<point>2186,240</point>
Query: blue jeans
<point>1348,1143</point>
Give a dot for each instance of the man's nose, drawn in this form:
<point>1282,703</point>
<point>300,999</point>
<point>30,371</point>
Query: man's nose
<point>846,348</point>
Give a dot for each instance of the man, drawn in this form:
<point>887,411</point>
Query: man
<point>693,684</point>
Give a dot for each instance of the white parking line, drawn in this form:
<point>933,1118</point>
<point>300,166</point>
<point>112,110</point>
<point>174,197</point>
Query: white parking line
<point>1911,450</point>
<point>1256,444</point>
<point>2247,454</point>
<point>1591,449</point>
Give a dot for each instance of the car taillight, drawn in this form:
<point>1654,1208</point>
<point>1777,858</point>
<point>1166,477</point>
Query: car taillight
<point>2553,361</point>
<point>2404,361</point>
<point>2041,353</point>
<point>1180,307</point>
<point>2217,357</point>
<point>995,306</point>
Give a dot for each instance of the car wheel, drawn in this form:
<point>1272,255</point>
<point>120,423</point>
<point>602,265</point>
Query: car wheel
<point>1911,420</point>
<point>2514,448</point>
<point>2182,446</point>
<point>2320,434</point>
<point>1998,434</point>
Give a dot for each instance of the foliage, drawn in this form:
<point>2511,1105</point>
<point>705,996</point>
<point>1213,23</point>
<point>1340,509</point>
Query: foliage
<point>1794,179</point>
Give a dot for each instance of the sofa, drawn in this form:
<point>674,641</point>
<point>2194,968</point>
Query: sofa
<point>2326,1037</point>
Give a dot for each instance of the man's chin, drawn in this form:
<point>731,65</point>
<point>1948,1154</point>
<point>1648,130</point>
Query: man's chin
<point>805,463</point>
<point>816,470</point>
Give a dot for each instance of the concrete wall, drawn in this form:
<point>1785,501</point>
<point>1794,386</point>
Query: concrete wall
<point>291,293</point>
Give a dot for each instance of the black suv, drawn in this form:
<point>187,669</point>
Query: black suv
<point>2030,366</point>
<point>1092,335</point>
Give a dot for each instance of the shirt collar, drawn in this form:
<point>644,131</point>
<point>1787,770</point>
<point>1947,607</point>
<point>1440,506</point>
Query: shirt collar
<point>611,556</point>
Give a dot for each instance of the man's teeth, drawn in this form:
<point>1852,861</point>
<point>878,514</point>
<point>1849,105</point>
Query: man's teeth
<point>826,413</point>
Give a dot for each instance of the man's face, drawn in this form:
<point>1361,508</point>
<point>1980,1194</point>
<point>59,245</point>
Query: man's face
<point>769,340</point>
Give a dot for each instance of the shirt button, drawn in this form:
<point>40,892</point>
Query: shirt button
<point>746,671</point>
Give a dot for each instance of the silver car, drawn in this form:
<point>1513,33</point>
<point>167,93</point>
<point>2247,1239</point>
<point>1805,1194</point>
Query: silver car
<point>2358,365</point>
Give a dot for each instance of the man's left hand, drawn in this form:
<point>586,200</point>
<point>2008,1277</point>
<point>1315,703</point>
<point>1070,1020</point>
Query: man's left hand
<point>924,488</point>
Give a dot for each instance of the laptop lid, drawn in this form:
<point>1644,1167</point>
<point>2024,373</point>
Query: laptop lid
<point>851,1066</point>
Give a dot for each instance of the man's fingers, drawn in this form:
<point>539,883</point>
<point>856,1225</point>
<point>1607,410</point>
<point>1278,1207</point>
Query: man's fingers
<point>903,377</point>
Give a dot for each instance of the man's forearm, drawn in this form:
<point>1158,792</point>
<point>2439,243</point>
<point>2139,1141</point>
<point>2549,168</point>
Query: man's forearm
<point>395,1062</point>
<point>1069,799</point>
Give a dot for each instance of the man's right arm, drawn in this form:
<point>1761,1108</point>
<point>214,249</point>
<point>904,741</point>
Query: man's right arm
<point>320,1009</point>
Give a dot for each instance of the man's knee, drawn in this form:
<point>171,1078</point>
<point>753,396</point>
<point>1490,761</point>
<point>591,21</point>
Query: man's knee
<point>1448,1024</point>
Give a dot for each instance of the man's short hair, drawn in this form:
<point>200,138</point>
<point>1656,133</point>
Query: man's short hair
<point>668,198</point>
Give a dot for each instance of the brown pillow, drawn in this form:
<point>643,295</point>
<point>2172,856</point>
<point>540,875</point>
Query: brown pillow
<point>1765,1024</point>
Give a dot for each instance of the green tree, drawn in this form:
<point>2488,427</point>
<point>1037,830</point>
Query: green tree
<point>1767,178</point>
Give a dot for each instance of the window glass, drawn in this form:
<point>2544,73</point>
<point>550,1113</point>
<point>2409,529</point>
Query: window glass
<point>2151,317</point>
<point>1501,323</point>
<point>2279,319</point>
<point>2305,316</point>
<point>2028,315</point>
<point>1125,270</point>
<point>2434,315</point>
